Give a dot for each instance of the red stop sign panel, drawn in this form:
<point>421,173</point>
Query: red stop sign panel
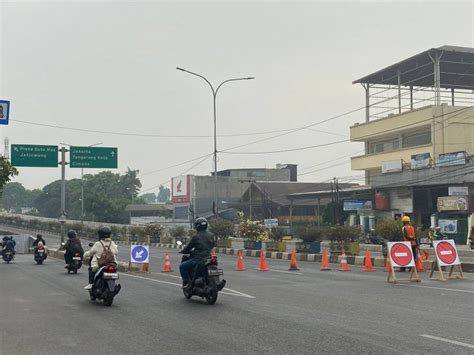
<point>401,254</point>
<point>446,252</point>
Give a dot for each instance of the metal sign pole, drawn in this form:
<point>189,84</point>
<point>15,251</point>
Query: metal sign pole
<point>62,217</point>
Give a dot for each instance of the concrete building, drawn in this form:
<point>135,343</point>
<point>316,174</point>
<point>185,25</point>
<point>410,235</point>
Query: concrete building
<point>418,136</point>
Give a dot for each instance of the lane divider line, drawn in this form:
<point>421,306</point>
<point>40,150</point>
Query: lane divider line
<point>438,288</point>
<point>455,342</point>
<point>231,293</point>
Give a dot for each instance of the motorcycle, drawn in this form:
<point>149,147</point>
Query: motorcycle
<point>205,282</point>
<point>40,255</point>
<point>7,256</point>
<point>75,264</point>
<point>105,286</point>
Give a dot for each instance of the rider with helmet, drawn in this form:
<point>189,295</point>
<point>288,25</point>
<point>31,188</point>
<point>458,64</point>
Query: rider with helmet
<point>199,249</point>
<point>39,238</point>
<point>105,243</point>
<point>72,246</point>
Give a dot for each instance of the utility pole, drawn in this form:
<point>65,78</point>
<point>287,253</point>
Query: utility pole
<point>62,216</point>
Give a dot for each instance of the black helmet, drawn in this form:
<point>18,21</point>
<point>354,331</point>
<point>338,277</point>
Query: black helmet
<point>38,236</point>
<point>104,232</point>
<point>71,234</point>
<point>201,224</point>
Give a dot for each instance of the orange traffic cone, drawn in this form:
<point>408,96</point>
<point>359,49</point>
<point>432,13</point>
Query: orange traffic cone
<point>263,261</point>
<point>293,261</point>
<point>167,267</point>
<point>387,264</point>
<point>368,262</point>
<point>344,266</point>
<point>324,261</point>
<point>419,264</point>
<point>240,261</point>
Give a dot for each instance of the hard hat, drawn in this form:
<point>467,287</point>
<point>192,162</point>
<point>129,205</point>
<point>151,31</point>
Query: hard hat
<point>406,219</point>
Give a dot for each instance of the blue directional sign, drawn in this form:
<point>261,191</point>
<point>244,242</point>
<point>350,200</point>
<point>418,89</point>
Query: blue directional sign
<point>4,112</point>
<point>139,254</point>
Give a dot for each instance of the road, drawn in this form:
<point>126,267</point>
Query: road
<point>46,311</point>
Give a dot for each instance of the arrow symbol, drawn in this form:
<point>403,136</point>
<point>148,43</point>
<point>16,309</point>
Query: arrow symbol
<point>113,153</point>
<point>139,254</point>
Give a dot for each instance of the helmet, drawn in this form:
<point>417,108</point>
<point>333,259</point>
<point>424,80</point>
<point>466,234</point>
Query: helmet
<point>104,232</point>
<point>201,224</point>
<point>406,219</point>
<point>38,236</point>
<point>71,234</point>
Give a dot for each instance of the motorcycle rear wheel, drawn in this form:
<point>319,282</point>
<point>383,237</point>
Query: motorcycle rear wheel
<point>188,293</point>
<point>108,301</point>
<point>211,297</point>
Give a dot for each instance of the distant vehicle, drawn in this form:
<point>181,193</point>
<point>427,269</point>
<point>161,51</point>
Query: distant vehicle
<point>40,254</point>
<point>75,264</point>
<point>7,256</point>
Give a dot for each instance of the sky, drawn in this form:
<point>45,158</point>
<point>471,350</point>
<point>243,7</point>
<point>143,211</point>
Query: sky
<point>110,67</point>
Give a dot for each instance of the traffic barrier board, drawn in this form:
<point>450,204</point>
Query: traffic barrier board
<point>401,255</point>
<point>446,255</point>
<point>139,254</point>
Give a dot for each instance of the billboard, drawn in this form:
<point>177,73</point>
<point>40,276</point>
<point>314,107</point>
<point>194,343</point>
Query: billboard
<point>392,166</point>
<point>448,225</point>
<point>452,203</point>
<point>420,161</point>
<point>181,189</point>
<point>458,191</point>
<point>450,159</point>
<point>354,205</point>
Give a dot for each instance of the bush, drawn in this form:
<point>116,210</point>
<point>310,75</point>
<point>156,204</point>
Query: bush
<point>222,229</point>
<point>389,229</point>
<point>343,234</point>
<point>277,234</point>
<point>309,234</point>
<point>178,232</point>
<point>153,229</point>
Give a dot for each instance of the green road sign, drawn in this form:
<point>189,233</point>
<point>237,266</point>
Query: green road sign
<point>34,155</point>
<point>93,157</point>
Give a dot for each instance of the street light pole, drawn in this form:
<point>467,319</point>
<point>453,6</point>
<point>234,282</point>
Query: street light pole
<point>214,95</point>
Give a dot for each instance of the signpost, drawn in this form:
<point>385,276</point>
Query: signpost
<point>29,155</point>
<point>4,112</point>
<point>93,157</point>
<point>139,254</point>
<point>446,255</point>
<point>401,255</point>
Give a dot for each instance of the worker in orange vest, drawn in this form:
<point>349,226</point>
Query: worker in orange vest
<point>409,235</point>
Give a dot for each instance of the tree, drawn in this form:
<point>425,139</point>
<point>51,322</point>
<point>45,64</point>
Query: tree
<point>163,194</point>
<point>7,171</point>
<point>13,196</point>
<point>149,197</point>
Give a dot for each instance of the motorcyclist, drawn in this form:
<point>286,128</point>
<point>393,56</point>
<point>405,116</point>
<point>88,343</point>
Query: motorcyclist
<point>8,244</point>
<point>436,234</point>
<point>72,246</point>
<point>105,241</point>
<point>199,248</point>
<point>39,238</point>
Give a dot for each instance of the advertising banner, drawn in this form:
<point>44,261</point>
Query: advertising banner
<point>458,191</point>
<point>420,161</point>
<point>448,225</point>
<point>452,203</point>
<point>450,159</point>
<point>354,205</point>
<point>181,189</point>
<point>392,166</point>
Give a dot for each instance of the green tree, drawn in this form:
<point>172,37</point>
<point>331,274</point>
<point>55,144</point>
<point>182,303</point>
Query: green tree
<point>149,197</point>
<point>13,196</point>
<point>163,194</point>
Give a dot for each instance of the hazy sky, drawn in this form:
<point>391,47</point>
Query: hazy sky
<point>110,66</point>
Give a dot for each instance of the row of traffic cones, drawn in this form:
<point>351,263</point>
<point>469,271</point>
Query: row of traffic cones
<point>344,266</point>
<point>263,261</point>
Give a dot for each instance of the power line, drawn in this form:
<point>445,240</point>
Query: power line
<point>176,165</point>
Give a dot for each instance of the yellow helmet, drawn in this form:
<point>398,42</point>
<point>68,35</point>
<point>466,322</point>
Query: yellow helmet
<point>406,219</point>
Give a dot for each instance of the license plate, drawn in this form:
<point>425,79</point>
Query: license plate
<point>215,272</point>
<point>109,275</point>
<point>76,258</point>
<point>40,251</point>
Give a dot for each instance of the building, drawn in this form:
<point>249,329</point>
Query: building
<point>193,195</point>
<point>149,213</point>
<point>418,137</point>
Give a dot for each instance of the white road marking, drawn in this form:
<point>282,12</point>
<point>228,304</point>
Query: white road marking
<point>438,288</point>
<point>284,272</point>
<point>470,346</point>
<point>232,293</point>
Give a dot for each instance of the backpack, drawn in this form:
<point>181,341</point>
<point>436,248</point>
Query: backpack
<point>107,257</point>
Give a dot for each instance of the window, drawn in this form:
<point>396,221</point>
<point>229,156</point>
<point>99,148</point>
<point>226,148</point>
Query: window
<point>416,139</point>
<point>383,146</point>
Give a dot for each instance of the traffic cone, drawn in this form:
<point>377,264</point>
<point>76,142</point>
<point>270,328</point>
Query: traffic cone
<point>293,261</point>
<point>324,261</point>
<point>263,261</point>
<point>240,261</point>
<point>344,266</point>
<point>368,262</point>
<point>387,265</point>
<point>419,264</point>
<point>167,267</point>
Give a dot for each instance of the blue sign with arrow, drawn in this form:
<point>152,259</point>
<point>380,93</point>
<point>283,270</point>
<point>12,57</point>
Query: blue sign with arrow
<point>139,254</point>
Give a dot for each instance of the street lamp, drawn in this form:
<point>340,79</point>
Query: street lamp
<point>214,94</point>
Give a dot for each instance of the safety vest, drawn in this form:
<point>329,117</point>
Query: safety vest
<point>409,234</point>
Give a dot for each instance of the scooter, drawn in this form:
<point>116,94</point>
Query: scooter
<point>205,282</point>
<point>40,255</point>
<point>7,256</point>
<point>75,264</point>
<point>105,286</point>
